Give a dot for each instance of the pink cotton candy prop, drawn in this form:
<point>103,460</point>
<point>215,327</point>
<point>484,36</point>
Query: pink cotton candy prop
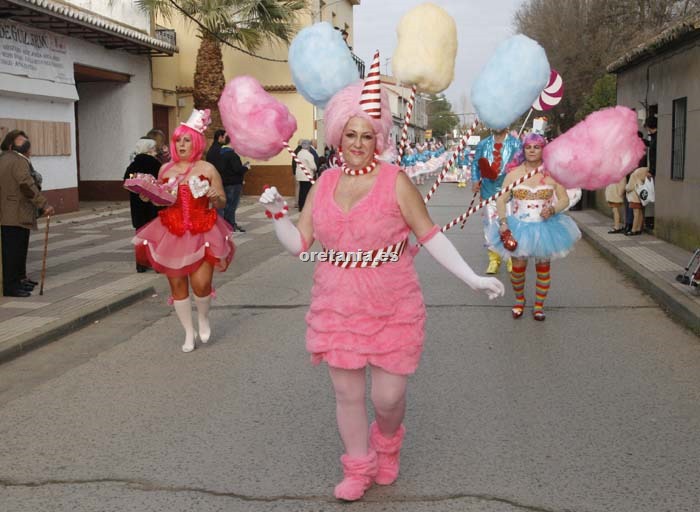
<point>257,123</point>
<point>598,151</point>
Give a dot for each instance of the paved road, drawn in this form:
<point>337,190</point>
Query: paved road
<point>596,409</point>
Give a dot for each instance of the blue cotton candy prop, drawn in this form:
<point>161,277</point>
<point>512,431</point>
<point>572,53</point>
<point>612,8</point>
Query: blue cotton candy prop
<point>510,82</point>
<point>321,63</point>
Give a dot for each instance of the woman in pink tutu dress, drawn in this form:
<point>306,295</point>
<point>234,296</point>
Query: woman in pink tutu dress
<point>188,240</point>
<point>367,307</point>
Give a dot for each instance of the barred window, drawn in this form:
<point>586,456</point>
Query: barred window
<point>680,107</point>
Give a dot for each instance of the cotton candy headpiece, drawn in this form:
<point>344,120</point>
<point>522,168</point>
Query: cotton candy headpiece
<point>370,100</point>
<point>321,63</point>
<point>257,123</point>
<point>426,49</point>
<point>199,120</point>
<point>510,82</point>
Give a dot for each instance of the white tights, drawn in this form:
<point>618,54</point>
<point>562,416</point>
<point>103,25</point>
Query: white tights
<point>388,394</point>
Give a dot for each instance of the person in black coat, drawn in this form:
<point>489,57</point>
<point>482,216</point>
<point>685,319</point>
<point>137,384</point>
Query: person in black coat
<point>232,171</point>
<point>145,161</point>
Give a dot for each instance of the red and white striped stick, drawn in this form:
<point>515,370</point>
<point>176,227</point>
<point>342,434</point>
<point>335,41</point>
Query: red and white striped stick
<point>484,202</point>
<point>299,163</point>
<point>407,119</point>
<point>451,161</point>
<point>472,203</point>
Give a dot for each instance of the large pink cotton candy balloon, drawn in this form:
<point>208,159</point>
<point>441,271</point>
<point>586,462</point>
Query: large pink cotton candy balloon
<point>257,123</point>
<point>598,151</point>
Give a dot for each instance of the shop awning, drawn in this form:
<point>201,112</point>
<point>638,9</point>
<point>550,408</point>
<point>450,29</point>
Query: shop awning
<point>71,21</point>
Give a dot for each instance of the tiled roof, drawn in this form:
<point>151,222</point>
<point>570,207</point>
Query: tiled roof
<point>679,33</point>
<point>75,22</point>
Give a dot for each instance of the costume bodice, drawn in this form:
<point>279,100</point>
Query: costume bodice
<point>375,221</point>
<point>528,202</point>
<point>188,213</point>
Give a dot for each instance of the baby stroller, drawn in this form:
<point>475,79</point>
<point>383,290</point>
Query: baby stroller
<point>691,275</point>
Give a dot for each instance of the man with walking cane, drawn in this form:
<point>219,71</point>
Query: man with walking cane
<point>20,200</point>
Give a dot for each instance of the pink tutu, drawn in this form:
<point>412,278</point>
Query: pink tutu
<point>184,236</point>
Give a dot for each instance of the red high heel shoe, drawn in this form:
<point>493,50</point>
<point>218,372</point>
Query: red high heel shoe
<point>538,314</point>
<point>518,310</point>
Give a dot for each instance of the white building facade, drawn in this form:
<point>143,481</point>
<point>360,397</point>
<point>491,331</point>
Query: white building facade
<point>76,76</point>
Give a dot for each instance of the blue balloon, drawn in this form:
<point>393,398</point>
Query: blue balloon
<point>321,63</point>
<point>510,82</point>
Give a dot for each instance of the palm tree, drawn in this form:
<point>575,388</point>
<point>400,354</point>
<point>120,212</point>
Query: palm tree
<point>246,23</point>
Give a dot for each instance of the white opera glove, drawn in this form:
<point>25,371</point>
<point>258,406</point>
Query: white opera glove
<point>447,255</point>
<point>287,233</point>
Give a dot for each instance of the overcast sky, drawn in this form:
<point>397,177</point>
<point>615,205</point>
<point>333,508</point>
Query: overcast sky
<point>481,26</point>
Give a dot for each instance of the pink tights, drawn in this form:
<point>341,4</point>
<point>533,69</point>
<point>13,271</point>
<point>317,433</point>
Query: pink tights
<point>388,396</point>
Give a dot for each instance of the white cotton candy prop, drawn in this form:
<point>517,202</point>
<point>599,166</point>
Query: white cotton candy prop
<point>598,151</point>
<point>257,123</point>
<point>510,82</point>
<point>427,47</point>
<point>321,63</point>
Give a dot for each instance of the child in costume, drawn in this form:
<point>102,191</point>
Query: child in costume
<point>188,240</point>
<point>491,157</point>
<point>462,165</point>
<point>537,224</point>
<point>367,311</point>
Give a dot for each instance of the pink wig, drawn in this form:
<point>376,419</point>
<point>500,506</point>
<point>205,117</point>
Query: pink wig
<point>519,157</point>
<point>198,143</point>
<point>346,105</point>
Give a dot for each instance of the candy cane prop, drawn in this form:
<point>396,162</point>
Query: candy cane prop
<point>472,202</point>
<point>451,161</point>
<point>407,119</point>
<point>484,202</point>
<point>299,163</point>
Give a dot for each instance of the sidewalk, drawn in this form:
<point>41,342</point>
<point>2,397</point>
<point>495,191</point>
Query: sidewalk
<point>90,273</point>
<point>653,265</point>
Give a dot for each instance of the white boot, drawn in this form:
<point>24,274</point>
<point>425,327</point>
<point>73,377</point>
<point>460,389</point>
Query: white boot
<point>202,304</point>
<point>183,308</point>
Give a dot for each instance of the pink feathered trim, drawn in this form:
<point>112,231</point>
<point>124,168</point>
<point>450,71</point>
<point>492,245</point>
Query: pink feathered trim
<point>429,235</point>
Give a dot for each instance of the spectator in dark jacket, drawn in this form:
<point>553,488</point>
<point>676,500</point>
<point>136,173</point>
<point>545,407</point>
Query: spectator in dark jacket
<point>232,171</point>
<point>146,162</point>
<point>214,152</point>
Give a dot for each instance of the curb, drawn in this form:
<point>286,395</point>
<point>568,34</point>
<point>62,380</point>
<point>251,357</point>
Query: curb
<point>51,332</point>
<point>671,300</point>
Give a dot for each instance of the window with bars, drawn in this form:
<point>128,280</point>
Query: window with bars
<point>680,107</point>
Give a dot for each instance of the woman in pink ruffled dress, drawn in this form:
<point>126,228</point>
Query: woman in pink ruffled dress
<point>188,240</point>
<point>367,307</point>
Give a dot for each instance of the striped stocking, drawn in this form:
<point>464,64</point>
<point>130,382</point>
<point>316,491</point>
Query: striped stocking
<point>542,287</point>
<point>517,279</point>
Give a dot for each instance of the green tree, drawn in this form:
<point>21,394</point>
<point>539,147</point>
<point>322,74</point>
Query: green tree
<point>441,119</point>
<point>604,94</point>
<point>247,23</point>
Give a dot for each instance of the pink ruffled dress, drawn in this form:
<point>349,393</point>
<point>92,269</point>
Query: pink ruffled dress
<point>185,235</point>
<point>361,316</point>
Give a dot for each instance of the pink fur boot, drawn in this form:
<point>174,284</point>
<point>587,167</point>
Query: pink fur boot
<point>359,475</point>
<point>388,450</point>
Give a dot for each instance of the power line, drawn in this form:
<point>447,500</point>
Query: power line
<point>217,37</point>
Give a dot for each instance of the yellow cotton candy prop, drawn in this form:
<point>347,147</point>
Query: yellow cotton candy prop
<point>427,47</point>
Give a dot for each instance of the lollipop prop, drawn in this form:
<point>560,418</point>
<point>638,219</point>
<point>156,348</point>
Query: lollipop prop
<point>548,98</point>
<point>426,62</point>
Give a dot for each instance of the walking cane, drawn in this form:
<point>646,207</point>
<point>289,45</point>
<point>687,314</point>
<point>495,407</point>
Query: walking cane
<point>46,250</point>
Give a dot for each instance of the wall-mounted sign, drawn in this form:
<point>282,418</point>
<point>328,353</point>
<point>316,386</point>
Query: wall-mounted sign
<point>34,53</point>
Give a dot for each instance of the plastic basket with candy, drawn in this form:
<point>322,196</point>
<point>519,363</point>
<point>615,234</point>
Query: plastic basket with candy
<point>149,187</point>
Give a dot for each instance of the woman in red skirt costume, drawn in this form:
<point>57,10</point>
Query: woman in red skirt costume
<point>188,240</point>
